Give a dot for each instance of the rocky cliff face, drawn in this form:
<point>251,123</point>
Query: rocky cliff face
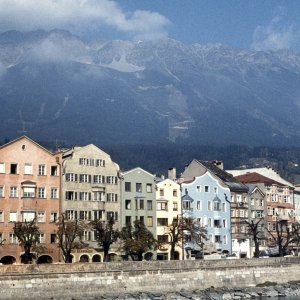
<point>54,85</point>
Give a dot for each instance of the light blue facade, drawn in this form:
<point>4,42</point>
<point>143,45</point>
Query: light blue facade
<point>207,201</point>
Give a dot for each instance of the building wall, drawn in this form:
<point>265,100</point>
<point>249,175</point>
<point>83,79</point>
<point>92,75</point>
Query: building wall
<point>27,200</point>
<point>138,191</point>
<point>211,206</point>
<point>168,207</point>
<point>82,281</point>
<point>91,191</point>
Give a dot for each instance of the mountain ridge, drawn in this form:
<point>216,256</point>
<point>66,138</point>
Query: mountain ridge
<point>57,85</point>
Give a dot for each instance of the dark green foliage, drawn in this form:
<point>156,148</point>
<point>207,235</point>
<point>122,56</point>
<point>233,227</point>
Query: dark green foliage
<point>137,240</point>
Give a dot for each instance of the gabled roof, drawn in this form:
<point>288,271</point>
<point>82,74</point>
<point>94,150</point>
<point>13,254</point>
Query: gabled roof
<point>265,171</point>
<point>253,187</point>
<point>233,184</point>
<point>186,197</point>
<point>257,178</point>
<point>137,169</point>
<point>28,139</point>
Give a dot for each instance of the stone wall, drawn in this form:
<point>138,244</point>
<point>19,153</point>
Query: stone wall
<point>82,280</point>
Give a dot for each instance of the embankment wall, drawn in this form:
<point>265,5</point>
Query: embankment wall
<point>86,280</point>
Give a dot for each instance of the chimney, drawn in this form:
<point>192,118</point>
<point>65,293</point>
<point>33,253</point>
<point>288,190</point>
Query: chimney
<point>172,174</point>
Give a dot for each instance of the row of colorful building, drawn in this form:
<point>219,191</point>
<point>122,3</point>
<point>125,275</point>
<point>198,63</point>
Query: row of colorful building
<point>85,184</point>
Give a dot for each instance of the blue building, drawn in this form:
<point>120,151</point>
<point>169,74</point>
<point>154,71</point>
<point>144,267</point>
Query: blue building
<point>207,200</point>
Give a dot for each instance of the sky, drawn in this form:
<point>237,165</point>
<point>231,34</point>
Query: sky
<point>250,24</point>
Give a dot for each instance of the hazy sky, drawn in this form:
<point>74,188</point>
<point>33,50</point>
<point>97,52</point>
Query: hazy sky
<point>255,24</point>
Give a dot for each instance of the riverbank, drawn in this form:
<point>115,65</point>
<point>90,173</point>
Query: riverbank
<point>267,290</point>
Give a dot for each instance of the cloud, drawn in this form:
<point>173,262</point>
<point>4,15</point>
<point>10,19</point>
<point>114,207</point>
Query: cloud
<point>80,16</point>
<point>278,34</point>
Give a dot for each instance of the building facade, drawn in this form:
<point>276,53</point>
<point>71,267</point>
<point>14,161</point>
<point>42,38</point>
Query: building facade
<point>138,192</point>
<point>168,209</point>
<point>208,202</point>
<point>91,191</point>
<point>30,188</point>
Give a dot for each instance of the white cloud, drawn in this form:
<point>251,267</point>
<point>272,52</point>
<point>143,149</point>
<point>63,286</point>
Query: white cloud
<point>79,16</point>
<point>278,34</point>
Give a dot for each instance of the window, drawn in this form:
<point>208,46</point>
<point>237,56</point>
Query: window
<point>42,170</point>
<point>259,214</point>
<point>84,196</point>
<point>142,219</point>
<point>161,192</point>
<point>28,192</point>
<point>54,193</point>
<point>13,168</point>
<point>161,206</point>
<point>150,221</point>
<point>162,221</point>
<point>162,238</point>
<point>71,177</point>
<point>218,239</point>
<point>138,187</point>
<point>111,179</point>
<point>174,193</point>
<point>232,213</point>
<point>112,214</point>
<point>99,179</point>
<point>13,216</point>
<point>215,190</point>
<point>28,169</point>
<point>217,205</point>
<point>53,238</point>
<point>85,215</point>
<point>199,205</point>
<point>128,220</point>
<point>149,205</point>
<point>209,205</point>
<point>98,214</point>
<point>84,178</point>
<point>198,188</point>
<point>1,216</point>
<point>224,223</point>
<point>54,170</point>
<point>217,223</point>
<point>175,206</point>
<point>13,239</point>
<point>111,197</point>
<point>186,205</point>
<point>41,192</point>
<point>223,206</point>
<point>127,204</point>
<point>209,222</point>
<point>28,216</point>
<point>149,188</point>
<point>86,236</point>
<point>127,186</point>
<point>13,192</point>
<point>1,191</point>
<point>225,239</point>
<point>206,189</point>
<point>41,217</point>
<point>2,167</point>
<point>71,195</point>
<point>71,214</point>
<point>242,213</point>
<point>100,163</point>
<point>141,203</point>
<point>41,238</point>
<point>99,196</point>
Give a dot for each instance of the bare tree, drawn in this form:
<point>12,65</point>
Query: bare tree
<point>285,235</point>
<point>105,234</point>
<point>256,231</point>
<point>28,235</point>
<point>69,234</point>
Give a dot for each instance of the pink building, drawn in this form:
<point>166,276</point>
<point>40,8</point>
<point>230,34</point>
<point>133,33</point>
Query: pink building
<point>30,187</point>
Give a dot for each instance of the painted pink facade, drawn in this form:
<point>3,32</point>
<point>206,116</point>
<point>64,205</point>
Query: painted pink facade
<point>30,186</point>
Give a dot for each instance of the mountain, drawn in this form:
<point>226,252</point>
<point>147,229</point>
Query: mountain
<point>57,86</point>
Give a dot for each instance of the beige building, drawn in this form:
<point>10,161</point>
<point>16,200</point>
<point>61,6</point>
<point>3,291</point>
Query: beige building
<point>91,191</point>
<point>29,188</point>
<point>168,208</point>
